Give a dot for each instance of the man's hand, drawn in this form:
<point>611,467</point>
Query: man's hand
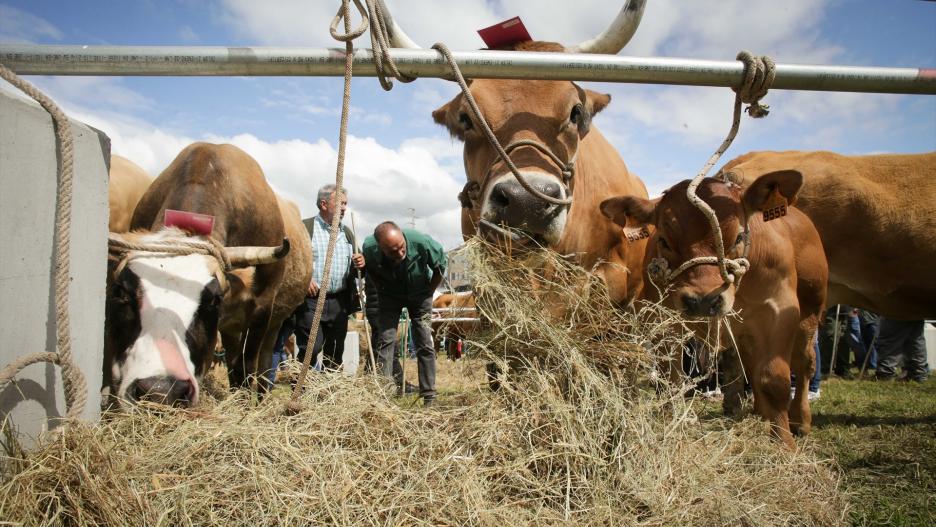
<point>357,260</point>
<point>313,288</point>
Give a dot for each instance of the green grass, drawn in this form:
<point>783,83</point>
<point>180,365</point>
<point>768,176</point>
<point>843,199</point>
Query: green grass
<point>882,435</point>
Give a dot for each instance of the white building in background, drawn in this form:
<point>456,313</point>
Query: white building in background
<point>458,275</point>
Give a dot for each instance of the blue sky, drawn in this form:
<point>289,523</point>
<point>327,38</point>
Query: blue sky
<point>400,160</point>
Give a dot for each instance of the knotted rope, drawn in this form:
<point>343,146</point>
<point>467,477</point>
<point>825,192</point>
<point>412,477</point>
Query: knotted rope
<point>759,74</point>
<point>208,247</point>
<point>73,380</point>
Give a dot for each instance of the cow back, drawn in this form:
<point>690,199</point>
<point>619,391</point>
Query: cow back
<point>126,185</point>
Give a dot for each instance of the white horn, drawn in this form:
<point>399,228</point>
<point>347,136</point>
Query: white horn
<point>247,256</point>
<point>395,34</point>
<point>618,34</point>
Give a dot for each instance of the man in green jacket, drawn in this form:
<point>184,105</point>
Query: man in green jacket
<point>406,266</point>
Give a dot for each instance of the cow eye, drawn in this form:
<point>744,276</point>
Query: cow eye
<point>740,239</point>
<point>576,116</point>
<point>465,121</point>
<point>662,243</point>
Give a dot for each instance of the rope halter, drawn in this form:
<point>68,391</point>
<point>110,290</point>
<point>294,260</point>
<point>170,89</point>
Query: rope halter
<point>758,77</point>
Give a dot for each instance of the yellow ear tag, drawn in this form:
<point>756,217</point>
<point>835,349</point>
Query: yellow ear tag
<point>776,205</point>
<point>634,234</point>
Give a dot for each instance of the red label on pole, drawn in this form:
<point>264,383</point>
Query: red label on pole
<point>189,221</point>
<point>504,33</point>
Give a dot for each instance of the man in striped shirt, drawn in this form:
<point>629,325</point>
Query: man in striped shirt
<point>340,293</point>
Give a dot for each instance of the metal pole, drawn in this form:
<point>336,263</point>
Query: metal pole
<point>33,59</point>
<point>835,339</point>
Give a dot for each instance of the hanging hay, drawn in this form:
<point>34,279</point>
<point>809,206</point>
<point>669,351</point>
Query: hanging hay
<point>583,434</point>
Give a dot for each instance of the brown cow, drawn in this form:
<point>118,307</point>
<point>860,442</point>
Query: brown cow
<point>125,187</point>
<point>780,298</point>
<point>163,311</point>
<point>876,216</point>
<point>292,290</point>
<point>446,309</point>
<point>557,116</point>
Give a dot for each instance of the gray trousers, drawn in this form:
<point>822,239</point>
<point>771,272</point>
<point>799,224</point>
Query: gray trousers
<point>388,317</point>
<point>899,339</point>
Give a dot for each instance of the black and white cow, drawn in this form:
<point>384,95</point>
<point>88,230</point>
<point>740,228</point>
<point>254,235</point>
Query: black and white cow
<point>163,310</point>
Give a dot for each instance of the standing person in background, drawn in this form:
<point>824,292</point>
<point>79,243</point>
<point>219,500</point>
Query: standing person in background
<point>901,339</point>
<point>340,292</point>
<point>372,311</point>
<point>406,266</point>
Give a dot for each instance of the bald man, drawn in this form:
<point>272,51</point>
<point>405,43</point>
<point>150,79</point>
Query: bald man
<point>406,266</point>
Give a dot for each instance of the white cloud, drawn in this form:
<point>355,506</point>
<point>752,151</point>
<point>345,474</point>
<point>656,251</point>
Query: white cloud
<point>18,26</point>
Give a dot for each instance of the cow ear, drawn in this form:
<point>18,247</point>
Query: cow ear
<point>449,116</point>
<point>773,188</point>
<point>629,211</point>
<point>595,102</point>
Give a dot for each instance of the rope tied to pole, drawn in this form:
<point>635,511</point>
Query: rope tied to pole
<point>293,406</point>
<point>73,380</point>
<point>759,74</point>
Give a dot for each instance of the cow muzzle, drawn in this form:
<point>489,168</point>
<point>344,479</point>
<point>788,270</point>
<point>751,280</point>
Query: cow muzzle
<point>715,304</point>
<point>163,390</point>
<point>511,207</point>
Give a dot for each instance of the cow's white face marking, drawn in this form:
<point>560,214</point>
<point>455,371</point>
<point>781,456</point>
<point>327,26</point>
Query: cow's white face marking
<point>171,289</point>
<point>557,220</point>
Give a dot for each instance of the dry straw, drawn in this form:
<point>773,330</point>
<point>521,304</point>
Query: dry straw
<point>582,432</point>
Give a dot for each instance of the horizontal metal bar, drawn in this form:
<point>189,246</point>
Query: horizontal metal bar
<point>282,61</point>
<point>457,319</point>
<point>452,309</point>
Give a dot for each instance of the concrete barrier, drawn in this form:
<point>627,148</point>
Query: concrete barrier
<point>929,332</point>
<point>35,401</point>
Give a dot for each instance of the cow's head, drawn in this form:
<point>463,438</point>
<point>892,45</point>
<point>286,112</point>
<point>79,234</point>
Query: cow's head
<point>556,115</point>
<point>162,317</point>
<point>681,232</point>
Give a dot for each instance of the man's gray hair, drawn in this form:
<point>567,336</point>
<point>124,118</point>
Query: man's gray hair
<point>325,193</point>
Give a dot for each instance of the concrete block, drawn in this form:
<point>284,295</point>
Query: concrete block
<point>35,401</point>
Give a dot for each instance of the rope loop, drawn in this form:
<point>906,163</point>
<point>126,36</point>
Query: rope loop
<point>380,43</point>
<point>73,381</point>
<point>759,73</point>
<point>345,37</point>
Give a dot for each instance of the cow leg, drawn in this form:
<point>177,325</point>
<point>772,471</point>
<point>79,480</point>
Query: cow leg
<point>732,379</point>
<point>803,363</point>
<point>258,336</point>
<point>233,357</point>
<point>771,385</point>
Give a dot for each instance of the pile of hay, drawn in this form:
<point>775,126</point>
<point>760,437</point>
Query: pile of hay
<point>578,437</point>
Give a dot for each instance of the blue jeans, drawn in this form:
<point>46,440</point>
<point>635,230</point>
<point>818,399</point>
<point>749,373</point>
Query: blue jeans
<point>869,330</point>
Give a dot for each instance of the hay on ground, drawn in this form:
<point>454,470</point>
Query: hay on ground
<point>585,434</point>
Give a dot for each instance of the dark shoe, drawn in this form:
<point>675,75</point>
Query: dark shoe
<point>410,388</point>
<point>428,401</point>
<point>883,378</point>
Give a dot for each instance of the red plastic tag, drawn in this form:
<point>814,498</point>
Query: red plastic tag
<point>504,33</point>
<point>189,221</point>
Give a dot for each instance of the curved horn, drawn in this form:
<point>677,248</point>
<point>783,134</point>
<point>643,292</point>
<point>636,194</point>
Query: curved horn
<point>618,34</point>
<point>395,34</point>
<point>247,256</point>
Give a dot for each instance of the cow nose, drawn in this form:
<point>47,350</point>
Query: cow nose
<point>704,306</point>
<point>513,206</point>
<point>168,391</point>
<point>691,304</point>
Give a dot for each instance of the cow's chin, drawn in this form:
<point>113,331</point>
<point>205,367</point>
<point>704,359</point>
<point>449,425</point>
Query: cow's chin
<point>504,235</point>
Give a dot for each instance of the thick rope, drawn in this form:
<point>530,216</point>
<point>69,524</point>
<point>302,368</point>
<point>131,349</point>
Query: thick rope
<point>380,42</point>
<point>441,48</point>
<point>758,76</point>
<point>293,405</point>
<point>73,381</point>
<point>209,247</point>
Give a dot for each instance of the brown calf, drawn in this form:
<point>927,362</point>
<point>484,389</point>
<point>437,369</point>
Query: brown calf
<point>780,297</point>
